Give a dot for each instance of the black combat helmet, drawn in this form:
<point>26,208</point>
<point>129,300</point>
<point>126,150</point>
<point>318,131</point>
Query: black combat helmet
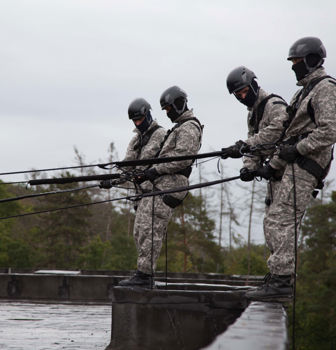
<point>306,46</point>
<point>176,98</point>
<point>311,51</point>
<point>239,78</point>
<point>170,95</point>
<point>138,108</point>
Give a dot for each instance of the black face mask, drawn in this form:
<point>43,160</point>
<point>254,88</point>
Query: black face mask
<point>172,114</point>
<point>145,123</point>
<point>251,96</point>
<point>249,99</point>
<point>300,70</point>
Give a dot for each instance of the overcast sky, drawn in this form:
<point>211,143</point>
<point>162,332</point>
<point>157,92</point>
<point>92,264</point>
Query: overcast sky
<point>70,68</point>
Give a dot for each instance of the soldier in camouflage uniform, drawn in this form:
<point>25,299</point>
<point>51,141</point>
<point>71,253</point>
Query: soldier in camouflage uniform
<point>306,156</point>
<point>266,115</point>
<point>150,227</point>
<point>265,119</point>
<point>145,144</point>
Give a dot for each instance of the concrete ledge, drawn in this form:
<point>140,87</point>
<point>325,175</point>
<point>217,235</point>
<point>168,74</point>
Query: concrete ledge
<point>76,286</point>
<point>56,287</point>
<point>262,326</point>
<point>171,319</point>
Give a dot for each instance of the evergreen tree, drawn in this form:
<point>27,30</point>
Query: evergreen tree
<point>191,240</point>
<point>316,284</point>
<point>14,250</point>
<point>59,235</point>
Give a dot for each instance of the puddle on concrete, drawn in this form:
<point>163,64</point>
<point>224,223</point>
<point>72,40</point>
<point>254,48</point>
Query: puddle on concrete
<point>33,326</point>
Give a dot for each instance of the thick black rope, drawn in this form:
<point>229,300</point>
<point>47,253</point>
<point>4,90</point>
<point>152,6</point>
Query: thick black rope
<point>72,179</point>
<point>45,194</point>
<point>126,163</point>
<point>131,197</point>
<point>295,257</point>
<point>150,161</point>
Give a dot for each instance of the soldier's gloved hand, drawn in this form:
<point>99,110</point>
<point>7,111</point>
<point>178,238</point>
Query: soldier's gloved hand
<point>149,174</point>
<point>245,148</point>
<point>265,172</point>
<point>233,151</point>
<point>247,174</point>
<point>107,184</point>
<point>289,153</point>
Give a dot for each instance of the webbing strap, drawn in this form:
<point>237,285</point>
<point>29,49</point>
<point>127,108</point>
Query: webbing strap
<point>257,116</point>
<point>143,140</point>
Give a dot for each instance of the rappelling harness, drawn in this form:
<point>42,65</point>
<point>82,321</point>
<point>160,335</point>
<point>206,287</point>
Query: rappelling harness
<point>310,165</point>
<point>168,199</point>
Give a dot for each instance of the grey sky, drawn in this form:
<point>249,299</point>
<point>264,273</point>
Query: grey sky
<point>69,68</point>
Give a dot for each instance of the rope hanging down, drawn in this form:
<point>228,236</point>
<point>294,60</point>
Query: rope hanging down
<point>131,197</point>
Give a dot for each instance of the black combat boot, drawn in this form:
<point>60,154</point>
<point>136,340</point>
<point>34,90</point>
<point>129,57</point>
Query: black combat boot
<point>275,287</point>
<point>140,279</point>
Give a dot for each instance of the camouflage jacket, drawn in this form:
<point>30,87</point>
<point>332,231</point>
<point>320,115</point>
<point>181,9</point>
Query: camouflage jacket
<point>268,129</point>
<point>321,128</point>
<point>185,139</point>
<point>136,149</point>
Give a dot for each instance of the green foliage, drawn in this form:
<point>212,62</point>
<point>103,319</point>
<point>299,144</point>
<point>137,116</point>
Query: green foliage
<point>100,237</point>
<point>14,250</point>
<point>236,260</point>
<point>60,234</point>
<point>7,209</point>
<point>316,284</point>
<point>191,246</point>
<point>117,254</point>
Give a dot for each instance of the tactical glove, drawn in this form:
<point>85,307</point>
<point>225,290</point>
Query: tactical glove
<point>247,174</point>
<point>233,151</point>
<point>265,172</point>
<point>107,184</point>
<point>289,153</point>
<point>245,148</point>
<point>149,174</point>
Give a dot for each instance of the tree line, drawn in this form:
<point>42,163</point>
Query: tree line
<point>100,236</point>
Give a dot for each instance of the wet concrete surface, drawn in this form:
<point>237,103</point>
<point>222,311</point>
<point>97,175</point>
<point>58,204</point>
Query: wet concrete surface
<point>262,326</point>
<point>45,326</point>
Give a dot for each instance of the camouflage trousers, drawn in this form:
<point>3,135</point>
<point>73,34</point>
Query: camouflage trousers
<point>279,220</point>
<point>150,230</point>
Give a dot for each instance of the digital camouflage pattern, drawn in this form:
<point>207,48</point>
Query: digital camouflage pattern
<point>143,219</point>
<point>270,130</point>
<point>270,126</point>
<point>146,223</point>
<point>279,221</point>
<point>184,140</point>
<point>279,224</point>
<point>318,145</point>
<point>136,150</point>
<point>154,219</point>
